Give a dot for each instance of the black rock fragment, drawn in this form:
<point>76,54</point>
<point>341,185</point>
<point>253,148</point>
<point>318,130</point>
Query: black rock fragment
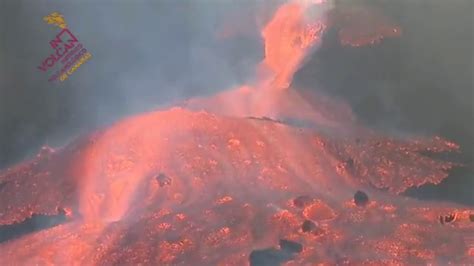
<point>308,226</point>
<point>361,198</point>
<point>471,217</point>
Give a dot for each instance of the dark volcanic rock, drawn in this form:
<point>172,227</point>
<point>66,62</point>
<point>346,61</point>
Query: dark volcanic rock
<point>361,198</point>
<point>308,226</point>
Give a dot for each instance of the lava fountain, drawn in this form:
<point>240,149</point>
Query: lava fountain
<point>260,175</point>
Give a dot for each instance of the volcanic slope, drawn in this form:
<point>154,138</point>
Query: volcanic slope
<point>182,187</point>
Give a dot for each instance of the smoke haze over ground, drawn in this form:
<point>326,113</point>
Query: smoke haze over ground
<point>154,52</point>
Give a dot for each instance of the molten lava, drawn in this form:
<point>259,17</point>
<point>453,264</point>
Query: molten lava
<point>255,174</point>
<point>289,37</point>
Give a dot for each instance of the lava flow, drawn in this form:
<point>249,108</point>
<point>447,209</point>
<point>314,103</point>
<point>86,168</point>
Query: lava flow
<point>255,175</point>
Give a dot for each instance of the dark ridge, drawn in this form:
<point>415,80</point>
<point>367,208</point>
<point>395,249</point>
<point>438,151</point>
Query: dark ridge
<point>264,118</point>
<point>36,223</point>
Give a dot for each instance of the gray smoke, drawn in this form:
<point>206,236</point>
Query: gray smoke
<point>144,54</point>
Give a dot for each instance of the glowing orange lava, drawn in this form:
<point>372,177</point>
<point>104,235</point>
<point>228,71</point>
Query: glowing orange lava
<point>289,37</point>
<point>215,183</point>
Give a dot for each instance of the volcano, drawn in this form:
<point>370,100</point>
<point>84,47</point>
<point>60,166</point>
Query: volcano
<point>179,187</point>
<point>263,174</point>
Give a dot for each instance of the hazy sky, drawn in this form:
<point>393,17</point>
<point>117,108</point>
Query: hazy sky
<point>144,53</point>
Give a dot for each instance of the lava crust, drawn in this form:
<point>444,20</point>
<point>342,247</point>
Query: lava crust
<point>232,184</point>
